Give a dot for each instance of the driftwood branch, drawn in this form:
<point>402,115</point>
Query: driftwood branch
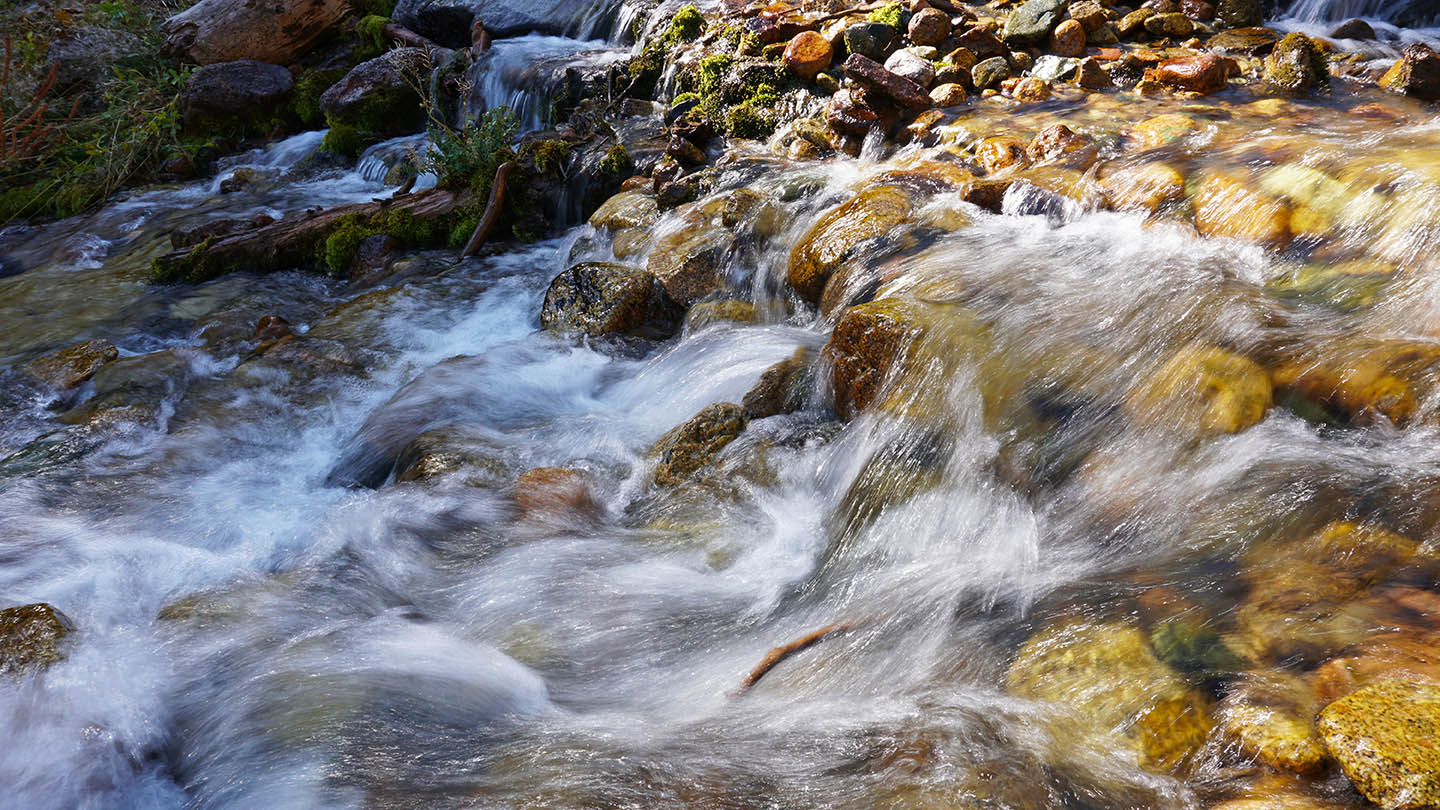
<point>492,210</point>
<point>779,654</point>
<point>262,247</point>
<point>278,32</point>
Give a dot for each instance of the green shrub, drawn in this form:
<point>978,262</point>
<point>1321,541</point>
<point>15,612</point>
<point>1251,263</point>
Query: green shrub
<point>469,157</point>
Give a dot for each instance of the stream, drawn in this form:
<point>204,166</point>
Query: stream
<point>270,617</point>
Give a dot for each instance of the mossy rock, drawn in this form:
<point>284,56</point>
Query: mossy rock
<point>628,209</point>
<point>30,637</point>
<point>1297,65</point>
<point>599,298</point>
<point>868,344</point>
<point>872,214</point>
<point>1270,716</point>
<point>692,446</point>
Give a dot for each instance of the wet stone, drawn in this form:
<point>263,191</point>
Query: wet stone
<point>688,448</point>
<point>990,73</point>
<point>1204,73</point>
<point>1296,65</point>
<point>875,78</point>
<point>1033,21</point>
<point>870,215</point>
<point>871,40</point>
<point>70,367</point>
<point>30,637</point>
<point>1416,74</point>
<point>602,299</point>
<point>781,389</point>
<point>808,54</point>
<point>929,26</point>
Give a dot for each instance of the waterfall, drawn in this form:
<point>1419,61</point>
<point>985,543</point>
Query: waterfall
<point>1398,12</point>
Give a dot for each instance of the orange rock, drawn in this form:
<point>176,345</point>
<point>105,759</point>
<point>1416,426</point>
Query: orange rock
<point>1204,73</point>
<point>551,492</point>
<point>1163,129</point>
<point>1000,152</point>
<point>1061,145</point>
<point>808,54</point>
<point>1068,39</point>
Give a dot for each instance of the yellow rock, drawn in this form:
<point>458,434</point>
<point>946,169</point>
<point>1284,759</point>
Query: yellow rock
<point>1163,129</point>
<point>1226,206</point>
<point>1145,187</point>
<point>1384,737</point>
<point>1271,717</point>
<point>874,212</point>
<point>1000,152</point>
<point>1202,388</point>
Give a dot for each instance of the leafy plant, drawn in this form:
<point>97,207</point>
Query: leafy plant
<point>24,130</point>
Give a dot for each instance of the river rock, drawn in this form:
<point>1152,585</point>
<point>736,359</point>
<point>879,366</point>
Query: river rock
<point>1174,25</point>
<point>597,298</point>
<point>227,92</point>
<point>989,73</point>
<point>782,388</point>
<point>1203,389</point>
<point>1247,41</point>
<point>869,215</point>
<point>452,450</point>
<point>1107,672</point>
<point>1145,187</point>
<point>1032,22</point>
<point>1270,717</point>
<point>378,96</point>
<point>907,64</point>
<point>1091,76</point>
<point>1089,13</point>
<point>1203,73</point>
<point>1384,737</point>
<point>808,54</point>
<point>30,637</point>
<point>1133,24</point>
<point>948,95</point>
<point>1360,384</point>
<point>1163,129</point>
<point>1416,74</point>
<point>728,310</point>
<point>1059,145</point>
<point>1239,13</point>
<point>1353,29</point>
<point>981,43</point>
<point>1054,68</point>
<point>68,368</point>
<point>691,446</point>
<point>690,263</point>
<point>1227,206</point>
<point>868,343</point>
<point>929,26</point>
<point>873,41</point>
<point>875,78</point>
<point>1068,39</point>
<point>1000,152</point>
<point>628,209</point>
<point>1296,65</point>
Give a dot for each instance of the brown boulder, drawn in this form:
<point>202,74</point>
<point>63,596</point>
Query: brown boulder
<point>1068,39</point>
<point>871,214</point>
<point>30,636</point>
<point>70,367</point>
<point>554,492</point>
<point>864,349</point>
<point>691,446</point>
<point>1416,74</point>
<point>929,27</point>
<point>873,76</point>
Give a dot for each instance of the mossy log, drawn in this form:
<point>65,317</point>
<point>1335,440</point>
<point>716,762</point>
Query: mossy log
<point>276,32</point>
<point>299,241</point>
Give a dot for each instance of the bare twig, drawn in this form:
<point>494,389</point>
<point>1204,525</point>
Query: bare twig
<point>492,210</point>
<point>779,654</point>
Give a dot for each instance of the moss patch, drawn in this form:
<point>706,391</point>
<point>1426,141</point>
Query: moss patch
<point>892,15</point>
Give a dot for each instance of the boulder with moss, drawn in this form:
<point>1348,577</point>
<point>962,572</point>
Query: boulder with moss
<point>30,637</point>
<point>378,98</point>
<point>599,298</point>
<point>688,448</point>
<point>1384,737</point>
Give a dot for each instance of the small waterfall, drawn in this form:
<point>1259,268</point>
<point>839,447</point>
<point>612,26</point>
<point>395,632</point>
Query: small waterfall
<point>524,74</point>
<point>1397,12</point>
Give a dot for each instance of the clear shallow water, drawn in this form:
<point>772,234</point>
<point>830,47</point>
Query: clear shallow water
<point>252,634</point>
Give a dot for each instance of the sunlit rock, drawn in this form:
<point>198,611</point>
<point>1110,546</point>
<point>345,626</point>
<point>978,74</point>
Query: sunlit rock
<point>1163,129</point>
<point>1203,389</point>
<point>868,342</point>
<point>628,209</point>
<point>1270,717</point>
<point>68,368</point>
<point>873,213</point>
<point>602,299</point>
<point>782,388</point>
<point>1297,65</point>
<point>1144,187</point>
<point>551,493</point>
<point>691,262</point>
<point>1229,207</point>
<point>1384,737</point>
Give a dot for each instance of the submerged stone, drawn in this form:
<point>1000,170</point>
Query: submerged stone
<point>865,347</point>
<point>872,214</point>
<point>68,368</point>
<point>1202,389</point>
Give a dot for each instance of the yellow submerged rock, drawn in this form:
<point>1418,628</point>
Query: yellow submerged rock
<point>1270,716</point>
<point>1202,388</point>
<point>1145,187</point>
<point>1163,129</point>
<point>1227,206</point>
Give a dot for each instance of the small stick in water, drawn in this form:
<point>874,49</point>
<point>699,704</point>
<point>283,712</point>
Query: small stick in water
<point>779,654</point>
<point>492,210</point>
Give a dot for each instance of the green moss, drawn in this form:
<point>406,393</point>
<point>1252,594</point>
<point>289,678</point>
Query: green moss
<point>892,15</point>
<point>685,97</point>
<point>338,250</point>
<point>343,140</point>
<point>550,156</point>
<point>305,100</point>
<point>745,121</point>
<point>685,26</point>
<point>711,71</point>
<point>370,31</point>
<point>341,245</point>
<point>617,162</point>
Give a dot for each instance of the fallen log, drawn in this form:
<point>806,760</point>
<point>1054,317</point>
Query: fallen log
<point>299,241</point>
<point>492,210</point>
<point>779,654</point>
<point>277,32</point>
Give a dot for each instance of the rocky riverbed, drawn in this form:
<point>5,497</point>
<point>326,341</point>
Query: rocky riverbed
<point>805,404</point>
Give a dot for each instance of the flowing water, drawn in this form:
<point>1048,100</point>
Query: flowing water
<point>267,617</point>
